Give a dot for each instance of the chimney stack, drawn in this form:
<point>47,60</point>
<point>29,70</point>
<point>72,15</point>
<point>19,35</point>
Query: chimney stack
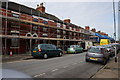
<point>67,20</point>
<point>41,8</point>
<point>87,27</point>
<point>94,30</point>
<point>99,32</point>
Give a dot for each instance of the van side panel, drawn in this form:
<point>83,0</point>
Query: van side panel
<point>104,42</point>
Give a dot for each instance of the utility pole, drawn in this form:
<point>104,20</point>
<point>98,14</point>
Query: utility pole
<point>114,30</point>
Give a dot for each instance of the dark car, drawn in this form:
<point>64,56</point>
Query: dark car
<point>110,50</point>
<point>46,50</point>
<point>97,53</point>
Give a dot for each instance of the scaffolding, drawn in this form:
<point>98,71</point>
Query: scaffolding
<point>30,40</point>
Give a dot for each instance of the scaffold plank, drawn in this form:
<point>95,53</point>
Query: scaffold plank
<point>42,24</point>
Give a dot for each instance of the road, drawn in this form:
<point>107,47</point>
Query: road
<point>67,66</point>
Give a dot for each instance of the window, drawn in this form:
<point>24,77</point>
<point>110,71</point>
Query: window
<point>53,47</point>
<point>80,30</point>
<point>58,36</point>
<point>15,24</point>
<point>74,29</point>
<point>35,19</point>
<point>15,15</point>
<point>64,26</point>
<point>35,27</point>
<point>45,35</point>
<point>70,33</point>
<point>74,34</point>
<point>14,41</point>
<point>58,24</point>
<point>83,35</point>
<point>58,31</point>
<point>64,32</point>
<point>70,28</point>
<point>44,29</point>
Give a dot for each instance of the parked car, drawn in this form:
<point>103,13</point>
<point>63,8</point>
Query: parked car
<point>117,47</point>
<point>97,53</point>
<point>74,49</point>
<point>110,50</point>
<point>104,42</point>
<point>46,50</point>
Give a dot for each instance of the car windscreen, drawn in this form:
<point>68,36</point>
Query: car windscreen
<point>42,46</point>
<point>105,45</point>
<point>45,46</point>
<point>73,46</point>
<point>94,50</point>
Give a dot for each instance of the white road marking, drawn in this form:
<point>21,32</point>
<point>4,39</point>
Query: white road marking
<point>65,66</point>
<point>13,62</point>
<point>39,75</point>
<point>81,61</point>
<point>23,61</point>
<point>53,58</point>
<point>18,61</point>
<point>75,63</point>
<point>54,70</point>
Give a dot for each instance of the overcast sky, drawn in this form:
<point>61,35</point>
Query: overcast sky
<point>97,15</point>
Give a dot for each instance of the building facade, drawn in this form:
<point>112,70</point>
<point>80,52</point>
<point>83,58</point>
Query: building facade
<point>23,27</point>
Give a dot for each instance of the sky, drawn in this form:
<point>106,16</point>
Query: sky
<point>91,13</point>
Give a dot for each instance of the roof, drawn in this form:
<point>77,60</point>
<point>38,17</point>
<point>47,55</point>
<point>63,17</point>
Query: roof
<point>104,36</point>
<point>99,35</point>
<point>30,11</point>
<point>51,17</point>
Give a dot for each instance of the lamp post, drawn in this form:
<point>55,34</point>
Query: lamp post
<point>114,30</point>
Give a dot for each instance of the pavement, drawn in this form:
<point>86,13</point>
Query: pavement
<point>15,57</point>
<point>8,58</point>
<point>110,70</point>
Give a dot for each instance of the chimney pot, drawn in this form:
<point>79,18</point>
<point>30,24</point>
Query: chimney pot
<point>37,5</point>
<point>67,20</point>
<point>87,27</point>
<point>99,32</point>
<point>41,8</point>
<point>94,30</point>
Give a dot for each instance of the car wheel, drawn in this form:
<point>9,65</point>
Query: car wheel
<point>45,56</point>
<point>35,57</point>
<point>104,62</point>
<point>75,52</point>
<point>108,58</point>
<point>86,60</point>
<point>60,54</point>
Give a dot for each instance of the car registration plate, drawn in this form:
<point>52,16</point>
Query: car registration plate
<point>34,51</point>
<point>93,58</point>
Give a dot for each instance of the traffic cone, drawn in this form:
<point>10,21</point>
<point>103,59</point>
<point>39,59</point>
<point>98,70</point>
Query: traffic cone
<point>11,53</point>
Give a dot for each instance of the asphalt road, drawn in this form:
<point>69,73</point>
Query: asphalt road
<point>67,66</point>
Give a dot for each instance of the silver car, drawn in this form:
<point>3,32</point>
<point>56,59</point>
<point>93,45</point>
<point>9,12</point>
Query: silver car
<point>110,49</point>
<point>97,53</point>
